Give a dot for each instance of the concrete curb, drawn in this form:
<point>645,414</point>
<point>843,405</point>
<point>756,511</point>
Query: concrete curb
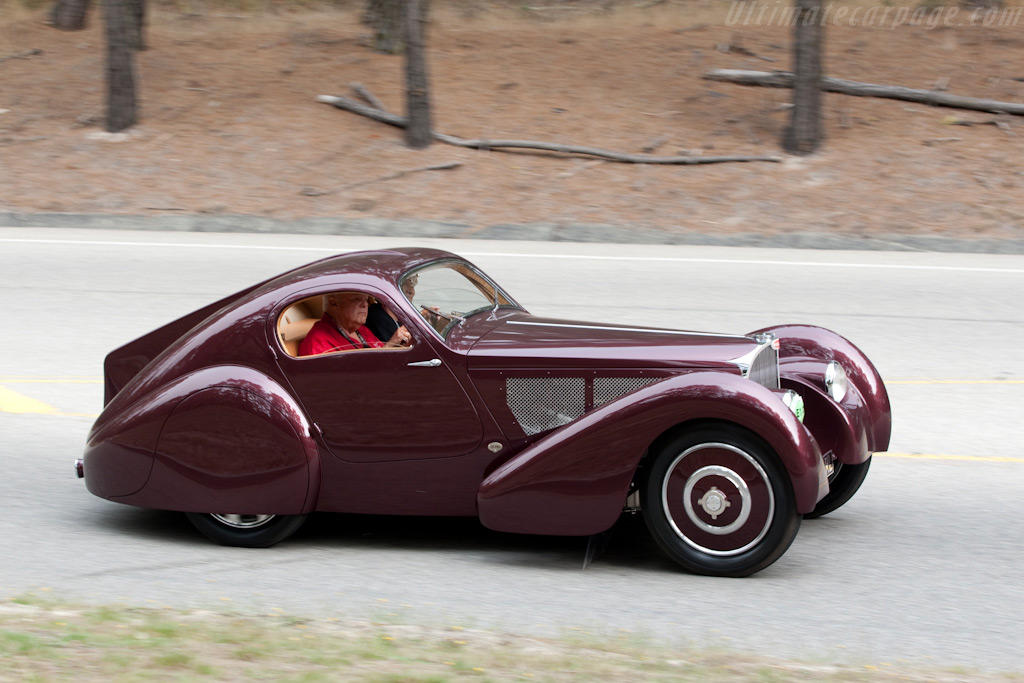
<point>527,231</point>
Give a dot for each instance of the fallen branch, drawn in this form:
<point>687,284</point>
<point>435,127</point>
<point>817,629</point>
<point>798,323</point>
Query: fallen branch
<point>313,192</point>
<point>363,92</point>
<point>24,54</point>
<point>400,122</point>
<point>784,79</point>
<point>1001,125</point>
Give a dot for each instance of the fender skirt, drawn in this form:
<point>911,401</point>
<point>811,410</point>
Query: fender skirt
<point>574,481</point>
<point>233,441</point>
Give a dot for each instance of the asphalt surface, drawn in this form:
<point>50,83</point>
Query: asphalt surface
<point>922,566</point>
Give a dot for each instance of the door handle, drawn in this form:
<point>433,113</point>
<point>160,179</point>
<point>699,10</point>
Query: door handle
<point>432,363</point>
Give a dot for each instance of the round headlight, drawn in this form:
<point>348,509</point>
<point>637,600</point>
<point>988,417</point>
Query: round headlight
<point>835,381</point>
<point>794,402</point>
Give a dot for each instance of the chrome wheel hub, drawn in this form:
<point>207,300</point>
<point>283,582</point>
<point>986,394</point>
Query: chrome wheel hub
<point>243,521</point>
<point>714,502</point>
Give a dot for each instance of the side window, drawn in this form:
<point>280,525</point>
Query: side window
<point>339,321</point>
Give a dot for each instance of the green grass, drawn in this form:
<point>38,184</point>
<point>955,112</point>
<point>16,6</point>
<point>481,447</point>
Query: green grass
<point>50,641</point>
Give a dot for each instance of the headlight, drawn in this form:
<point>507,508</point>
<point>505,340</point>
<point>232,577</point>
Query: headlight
<point>794,402</point>
<point>835,381</point>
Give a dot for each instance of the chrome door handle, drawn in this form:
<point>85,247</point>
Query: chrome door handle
<point>432,363</point>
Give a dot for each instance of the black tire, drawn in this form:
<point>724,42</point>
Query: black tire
<point>719,502</point>
<point>246,531</point>
<point>842,485</point>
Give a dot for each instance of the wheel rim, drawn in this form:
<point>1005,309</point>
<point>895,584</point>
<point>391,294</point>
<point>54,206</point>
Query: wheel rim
<point>243,521</point>
<point>718,499</point>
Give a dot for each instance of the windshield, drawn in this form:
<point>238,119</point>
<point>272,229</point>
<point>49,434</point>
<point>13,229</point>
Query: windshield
<point>447,293</point>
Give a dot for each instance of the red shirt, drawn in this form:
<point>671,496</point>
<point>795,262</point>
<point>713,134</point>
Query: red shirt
<point>325,336</point>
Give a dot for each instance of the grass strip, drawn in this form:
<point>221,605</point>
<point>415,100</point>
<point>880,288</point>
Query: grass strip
<point>51,641</point>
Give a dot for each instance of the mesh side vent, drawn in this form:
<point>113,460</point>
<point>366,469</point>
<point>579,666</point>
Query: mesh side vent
<point>542,403</point>
<point>764,369</point>
<point>610,388</point>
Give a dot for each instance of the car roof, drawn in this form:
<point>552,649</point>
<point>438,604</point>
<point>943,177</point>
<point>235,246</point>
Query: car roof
<point>384,264</point>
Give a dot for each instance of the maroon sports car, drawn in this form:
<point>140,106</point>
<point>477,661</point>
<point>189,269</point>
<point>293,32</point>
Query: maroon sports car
<point>534,425</point>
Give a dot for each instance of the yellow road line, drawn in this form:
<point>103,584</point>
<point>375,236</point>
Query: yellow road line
<point>13,402</point>
<point>50,381</point>
<point>937,456</point>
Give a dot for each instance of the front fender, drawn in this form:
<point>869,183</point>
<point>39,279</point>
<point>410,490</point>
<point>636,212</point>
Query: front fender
<point>574,481</point>
<point>799,342</point>
<point>233,441</point>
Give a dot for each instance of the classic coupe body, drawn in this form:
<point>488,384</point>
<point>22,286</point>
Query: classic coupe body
<point>534,425</point>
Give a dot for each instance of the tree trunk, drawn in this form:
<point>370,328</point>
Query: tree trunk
<point>418,134</point>
<point>121,101</point>
<point>804,134</point>
<point>387,20</point>
<point>135,16</point>
<point>69,15</point>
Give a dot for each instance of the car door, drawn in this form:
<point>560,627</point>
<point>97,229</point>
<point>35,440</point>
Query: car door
<point>379,405</point>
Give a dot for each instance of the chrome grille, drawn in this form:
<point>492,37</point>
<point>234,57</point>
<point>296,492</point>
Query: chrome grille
<point>542,403</point>
<point>610,388</point>
<point>764,368</point>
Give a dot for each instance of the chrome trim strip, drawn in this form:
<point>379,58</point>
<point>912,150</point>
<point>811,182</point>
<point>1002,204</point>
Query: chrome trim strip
<point>630,329</point>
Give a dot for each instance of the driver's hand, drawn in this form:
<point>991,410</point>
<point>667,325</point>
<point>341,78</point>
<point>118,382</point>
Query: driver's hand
<point>401,337</point>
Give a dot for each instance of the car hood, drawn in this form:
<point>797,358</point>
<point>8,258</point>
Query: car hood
<point>533,342</point>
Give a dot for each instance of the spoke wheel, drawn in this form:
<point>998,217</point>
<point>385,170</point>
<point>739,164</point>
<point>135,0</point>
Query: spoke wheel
<point>246,531</point>
<point>719,502</point>
<point>844,482</point>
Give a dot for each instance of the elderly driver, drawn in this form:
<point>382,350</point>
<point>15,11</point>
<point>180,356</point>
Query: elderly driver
<point>343,327</point>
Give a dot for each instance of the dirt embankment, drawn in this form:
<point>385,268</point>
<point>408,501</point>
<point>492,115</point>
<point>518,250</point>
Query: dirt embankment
<point>230,123</point>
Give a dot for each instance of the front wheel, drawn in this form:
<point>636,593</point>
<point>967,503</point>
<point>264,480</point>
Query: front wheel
<point>719,502</point>
<point>246,531</point>
<point>844,482</point>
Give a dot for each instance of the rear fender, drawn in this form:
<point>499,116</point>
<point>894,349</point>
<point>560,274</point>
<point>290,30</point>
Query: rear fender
<point>234,441</point>
<point>574,481</point>
<point>809,342</point>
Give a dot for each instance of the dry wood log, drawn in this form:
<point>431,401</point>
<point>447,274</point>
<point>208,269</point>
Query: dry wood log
<point>784,79</point>
<point>400,122</point>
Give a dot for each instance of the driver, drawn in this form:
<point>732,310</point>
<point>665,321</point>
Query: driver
<point>343,327</point>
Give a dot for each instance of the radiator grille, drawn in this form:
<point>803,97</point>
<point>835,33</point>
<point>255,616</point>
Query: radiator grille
<point>764,369</point>
<point>610,388</point>
<point>542,403</point>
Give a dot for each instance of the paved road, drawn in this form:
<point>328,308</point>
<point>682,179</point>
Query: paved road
<point>922,566</point>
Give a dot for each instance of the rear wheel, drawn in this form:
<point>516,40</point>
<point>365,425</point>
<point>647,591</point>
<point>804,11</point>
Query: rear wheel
<point>844,482</point>
<point>719,502</point>
<point>246,531</point>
